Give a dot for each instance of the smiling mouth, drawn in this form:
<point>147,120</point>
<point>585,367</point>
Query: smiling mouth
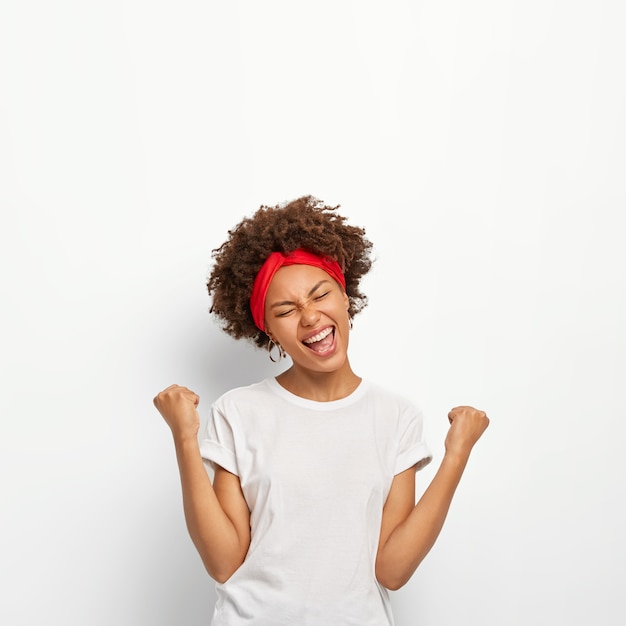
<point>322,342</point>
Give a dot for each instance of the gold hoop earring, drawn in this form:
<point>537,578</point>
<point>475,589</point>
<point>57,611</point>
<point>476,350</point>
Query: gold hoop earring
<point>270,346</point>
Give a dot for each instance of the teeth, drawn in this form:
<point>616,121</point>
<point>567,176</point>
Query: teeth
<point>319,336</point>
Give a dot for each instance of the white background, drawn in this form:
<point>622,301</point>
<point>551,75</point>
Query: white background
<point>481,144</point>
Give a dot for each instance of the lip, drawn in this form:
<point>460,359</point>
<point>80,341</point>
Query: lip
<point>316,332</point>
<point>327,353</point>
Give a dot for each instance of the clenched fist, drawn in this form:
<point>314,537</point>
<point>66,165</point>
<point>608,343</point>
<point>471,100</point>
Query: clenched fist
<point>178,407</point>
<point>467,424</point>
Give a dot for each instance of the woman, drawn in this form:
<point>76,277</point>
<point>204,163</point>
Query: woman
<point>311,515</point>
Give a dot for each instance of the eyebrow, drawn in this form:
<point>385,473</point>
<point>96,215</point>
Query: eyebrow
<point>313,290</point>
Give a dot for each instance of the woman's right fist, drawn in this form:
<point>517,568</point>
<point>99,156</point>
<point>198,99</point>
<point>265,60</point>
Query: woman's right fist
<point>178,407</point>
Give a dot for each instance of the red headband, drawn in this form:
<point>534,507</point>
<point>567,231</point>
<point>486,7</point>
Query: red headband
<point>273,263</point>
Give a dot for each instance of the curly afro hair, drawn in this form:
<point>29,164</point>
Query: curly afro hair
<point>303,223</point>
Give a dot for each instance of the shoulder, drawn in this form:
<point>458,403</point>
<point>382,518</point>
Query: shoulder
<point>239,412</point>
<point>392,400</point>
<point>244,394</point>
<point>247,402</point>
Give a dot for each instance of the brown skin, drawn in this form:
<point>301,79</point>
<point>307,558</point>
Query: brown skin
<point>302,302</point>
<point>217,516</point>
<point>408,532</point>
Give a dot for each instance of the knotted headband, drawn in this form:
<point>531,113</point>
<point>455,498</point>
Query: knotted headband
<point>273,263</point>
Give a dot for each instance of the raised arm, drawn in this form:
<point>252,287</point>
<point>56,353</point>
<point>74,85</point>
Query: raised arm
<point>409,530</point>
<point>217,516</point>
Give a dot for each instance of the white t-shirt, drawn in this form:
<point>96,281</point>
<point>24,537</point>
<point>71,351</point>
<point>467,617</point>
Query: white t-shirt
<point>315,476</point>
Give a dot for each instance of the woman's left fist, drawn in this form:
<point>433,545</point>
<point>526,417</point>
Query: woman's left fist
<point>467,424</point>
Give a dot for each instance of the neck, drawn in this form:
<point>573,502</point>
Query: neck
<point>320,386</point>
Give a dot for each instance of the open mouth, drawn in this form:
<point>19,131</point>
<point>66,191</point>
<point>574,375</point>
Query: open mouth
<point>322,342</point>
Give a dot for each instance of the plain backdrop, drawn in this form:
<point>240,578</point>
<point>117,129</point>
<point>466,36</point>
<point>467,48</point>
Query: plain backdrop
<point>481,145</point>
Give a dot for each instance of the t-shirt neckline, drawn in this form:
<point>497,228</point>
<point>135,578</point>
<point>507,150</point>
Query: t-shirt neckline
<point>316,405</point>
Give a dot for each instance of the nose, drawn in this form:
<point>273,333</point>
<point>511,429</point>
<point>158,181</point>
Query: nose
<point>310,315</point>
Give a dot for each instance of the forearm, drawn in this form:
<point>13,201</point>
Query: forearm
<point>410,542</point>
<point>213,533</point>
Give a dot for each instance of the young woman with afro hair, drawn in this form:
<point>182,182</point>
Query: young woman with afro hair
<point>300,494</point>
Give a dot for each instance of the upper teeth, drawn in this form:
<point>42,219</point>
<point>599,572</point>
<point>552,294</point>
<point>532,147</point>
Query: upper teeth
<point>319,336</point>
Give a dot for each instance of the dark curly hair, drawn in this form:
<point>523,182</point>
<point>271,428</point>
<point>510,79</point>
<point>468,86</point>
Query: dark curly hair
<point>303,223</point>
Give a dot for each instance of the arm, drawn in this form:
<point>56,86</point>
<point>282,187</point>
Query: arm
<point>409,531</point>
<point>217,516</point>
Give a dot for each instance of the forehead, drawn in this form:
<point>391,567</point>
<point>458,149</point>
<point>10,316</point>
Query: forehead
<point>295,280</point>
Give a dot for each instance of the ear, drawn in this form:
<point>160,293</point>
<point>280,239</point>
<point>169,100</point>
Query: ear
<point>346,300</point>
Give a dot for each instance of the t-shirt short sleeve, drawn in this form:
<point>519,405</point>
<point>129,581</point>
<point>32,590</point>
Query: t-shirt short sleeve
<point>412,449</point>
<point>218,444</point>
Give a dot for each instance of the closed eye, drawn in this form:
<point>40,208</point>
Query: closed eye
<point>323,295</point>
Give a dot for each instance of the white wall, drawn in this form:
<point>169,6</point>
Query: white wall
<point>483,147</point>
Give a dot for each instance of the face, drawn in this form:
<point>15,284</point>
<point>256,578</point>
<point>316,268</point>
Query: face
<point>306,312</point>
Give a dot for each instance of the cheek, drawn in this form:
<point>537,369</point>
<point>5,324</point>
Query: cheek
<point>283,329</point>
